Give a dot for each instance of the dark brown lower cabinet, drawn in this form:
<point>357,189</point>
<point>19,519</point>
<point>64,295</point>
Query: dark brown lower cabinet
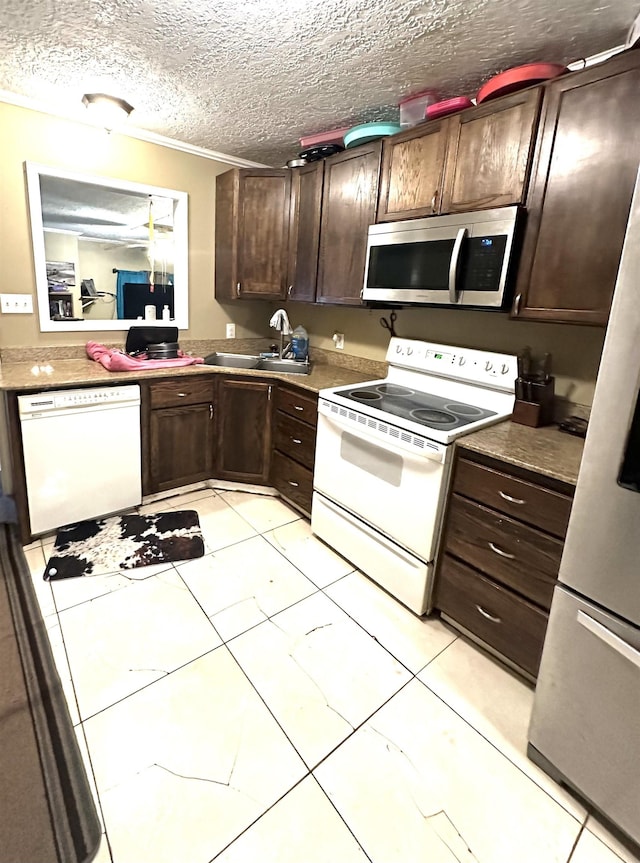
<point>243,430</point>
<point>294,443</point>
<point>179,446</point>
<point>500,554</point>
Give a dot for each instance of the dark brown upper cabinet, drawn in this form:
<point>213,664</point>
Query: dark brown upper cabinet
<point>252,233</point>
<point>474,160</point>
<point>489,153</point>
<point>580,193</point>
<point>304,231</point>
<point>350,194</point>
<point>412,172</point>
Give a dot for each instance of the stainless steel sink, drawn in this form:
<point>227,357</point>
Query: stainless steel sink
<point>249,361</point>
<point>234,361</point>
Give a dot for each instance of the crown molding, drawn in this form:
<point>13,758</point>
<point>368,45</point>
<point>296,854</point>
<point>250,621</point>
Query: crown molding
<point>129,132</point>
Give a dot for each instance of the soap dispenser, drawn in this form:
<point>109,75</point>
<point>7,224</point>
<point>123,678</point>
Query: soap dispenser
<point>166,314</point>
<point>300,344</point>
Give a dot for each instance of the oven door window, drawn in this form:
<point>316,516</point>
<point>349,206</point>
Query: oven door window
<point>380,463</point>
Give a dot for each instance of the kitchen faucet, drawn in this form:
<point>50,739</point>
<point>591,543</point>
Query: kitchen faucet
<point>280,321</point>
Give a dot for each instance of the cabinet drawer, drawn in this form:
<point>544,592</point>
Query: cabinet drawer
<point>295,439</point>
<point>301,405</point>
<point>292,480</point>
<point>524,500</point>
<point>509,624</point>
<point>512,553</point>
<point>186,391</point>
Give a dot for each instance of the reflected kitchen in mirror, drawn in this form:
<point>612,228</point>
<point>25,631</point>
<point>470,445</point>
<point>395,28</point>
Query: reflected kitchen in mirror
<point>107,252</point>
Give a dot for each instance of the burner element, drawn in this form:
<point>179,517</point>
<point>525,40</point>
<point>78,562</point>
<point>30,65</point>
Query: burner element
<point>394,390</point>
<point>464,410</point>
<point>431,415</point>
<point>366,395</point>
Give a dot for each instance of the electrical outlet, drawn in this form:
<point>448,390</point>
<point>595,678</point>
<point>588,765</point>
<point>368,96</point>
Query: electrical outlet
<point>338,340</point>
<point>16,304</point>
<point>231,331</point>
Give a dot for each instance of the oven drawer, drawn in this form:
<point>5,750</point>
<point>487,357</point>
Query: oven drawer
<point>185,391</point>
<point>504,621</point>
<point>523,500</point>
<point>292,480</point>
<point>295,439</point>
<point>512,553</point>
<point>301,405</point>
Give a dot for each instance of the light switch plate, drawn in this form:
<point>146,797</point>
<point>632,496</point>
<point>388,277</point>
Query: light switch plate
<point>16,304</point>
<point>231,331</point>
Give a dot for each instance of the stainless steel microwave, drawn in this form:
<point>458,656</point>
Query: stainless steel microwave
<point>462,260</point>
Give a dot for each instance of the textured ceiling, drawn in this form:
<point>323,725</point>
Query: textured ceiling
<point>249,77</point>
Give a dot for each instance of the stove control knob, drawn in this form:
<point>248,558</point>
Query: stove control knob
<point>488,366</point>
<point>462,361</point>
<point>409,351</point>
<point>398,349</point>
<point>504,370</point>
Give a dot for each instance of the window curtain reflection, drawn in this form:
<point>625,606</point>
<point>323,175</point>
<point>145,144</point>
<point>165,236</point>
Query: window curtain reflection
<point>136,277</point>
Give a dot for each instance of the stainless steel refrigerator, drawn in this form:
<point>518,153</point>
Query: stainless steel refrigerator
<point>585,727</point>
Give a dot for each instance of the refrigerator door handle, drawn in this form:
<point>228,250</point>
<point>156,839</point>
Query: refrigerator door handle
<point>611,639</point>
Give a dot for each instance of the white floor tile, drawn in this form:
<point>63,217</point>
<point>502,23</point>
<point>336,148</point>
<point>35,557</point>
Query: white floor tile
<point>416,783</point>
<point>244,584</point>
<point>122,641</point>
<point>303,826</point>
<point>595,826</point>
<point>185,765</point>
<point>312,557</point>
<point>68,592</point>
<point>185,501</point>
<point>103,855</point>
<point>36,562</point>
<point>590,849</point>
<point>88,769</point>
<point>319,672</point>
<point>261,511</point>
<point>220,523</point>
<point>497,703</point>
<point>62,666</point>
<point>413,640</point>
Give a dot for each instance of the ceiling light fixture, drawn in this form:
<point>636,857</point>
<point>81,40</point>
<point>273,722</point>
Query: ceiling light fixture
<point>108,111</point>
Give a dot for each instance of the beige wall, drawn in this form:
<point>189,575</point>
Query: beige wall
<point>29,135</point>
<point>32,136</point>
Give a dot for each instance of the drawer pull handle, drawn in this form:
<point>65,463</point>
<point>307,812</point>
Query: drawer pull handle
<point>486,614</point>
<point>296,440</point>
<point>298,408</point>
<point>508,497</point>
<point>294,484</point>
<point>181,395</point>
<point>502,553</point>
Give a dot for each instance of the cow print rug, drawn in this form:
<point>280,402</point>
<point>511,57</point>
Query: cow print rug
<point>101,546</point>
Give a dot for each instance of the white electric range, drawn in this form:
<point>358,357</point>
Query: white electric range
<point>383,457</point>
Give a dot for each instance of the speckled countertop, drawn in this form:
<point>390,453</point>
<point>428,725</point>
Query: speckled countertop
<point>544,450</point>
<point>57,373</point>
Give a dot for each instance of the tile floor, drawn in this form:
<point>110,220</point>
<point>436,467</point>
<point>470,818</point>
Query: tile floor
<point>267,703</point>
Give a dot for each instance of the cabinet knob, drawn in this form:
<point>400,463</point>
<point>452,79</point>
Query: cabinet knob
<point>508,497</point>
<point>289,290</point>
<point>294,484</point>
<point>434,201</point>
<point>296,440</point>
<point>210,412</point>
<point>181,395</point>
<point>486,614</point>
<point>500,552</point>
<point>516,304</point>
<point>298,408</point>
<point>238,289</point>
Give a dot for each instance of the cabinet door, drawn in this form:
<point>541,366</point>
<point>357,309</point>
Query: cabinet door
<point>252,226</point>
<point>244,430</point>
<point>489,153</point>
<point>181,445</point>
<point>412,172</point>
<point>304,231</point>
<point>580,194</point>
<point>349,199</point>
<point>263,228</point>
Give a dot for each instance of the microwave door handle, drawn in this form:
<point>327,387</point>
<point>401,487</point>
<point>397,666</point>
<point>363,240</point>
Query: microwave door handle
<point>453,265</point>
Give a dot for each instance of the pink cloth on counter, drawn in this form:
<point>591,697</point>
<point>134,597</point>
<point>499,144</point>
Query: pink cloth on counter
<point>115,360</point>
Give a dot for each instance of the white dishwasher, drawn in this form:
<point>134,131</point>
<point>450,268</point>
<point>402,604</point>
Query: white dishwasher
<point>81,453</point>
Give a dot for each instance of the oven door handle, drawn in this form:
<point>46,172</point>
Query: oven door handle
<point>453,265</point>
<point>439,455</point>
